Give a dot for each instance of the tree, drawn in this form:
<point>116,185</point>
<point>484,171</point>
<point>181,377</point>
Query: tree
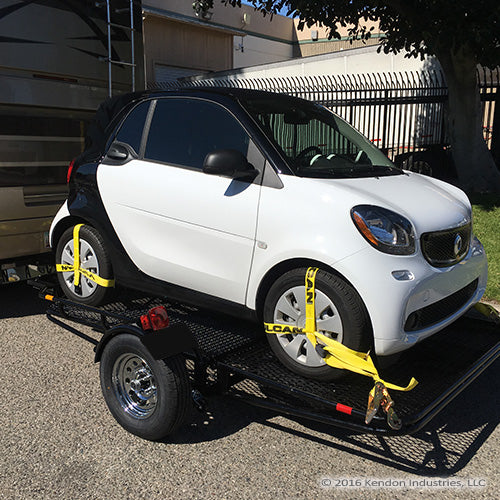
<point>461,34</point>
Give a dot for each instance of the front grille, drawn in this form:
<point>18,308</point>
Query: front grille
<point>439,311</point>
<point>445,248</point>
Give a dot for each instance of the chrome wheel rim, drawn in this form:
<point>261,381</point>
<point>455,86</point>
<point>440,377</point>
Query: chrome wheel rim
<point>134,386</point>
<point>88,261</point>
<point>290,310</point>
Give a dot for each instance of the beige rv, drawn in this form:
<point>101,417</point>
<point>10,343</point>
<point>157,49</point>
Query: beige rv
<point>55,70</point>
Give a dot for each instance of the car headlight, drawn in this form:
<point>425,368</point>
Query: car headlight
<point>384,229</point>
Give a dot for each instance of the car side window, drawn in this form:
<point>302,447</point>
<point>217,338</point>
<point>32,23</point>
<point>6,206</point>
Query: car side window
<point>183,131</point>
<point>131,130</point>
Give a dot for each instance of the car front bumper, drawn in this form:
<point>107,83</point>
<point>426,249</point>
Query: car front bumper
<point>407,299</point>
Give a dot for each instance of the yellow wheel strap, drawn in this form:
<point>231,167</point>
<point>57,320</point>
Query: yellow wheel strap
<point>76,267</point>
<point>337,354</point>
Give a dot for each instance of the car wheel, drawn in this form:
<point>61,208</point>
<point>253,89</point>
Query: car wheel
<point>93,257</point>
<point>147,397</point>
<point>340,315</point>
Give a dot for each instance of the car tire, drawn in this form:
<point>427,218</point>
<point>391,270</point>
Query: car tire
<point>340,314</point>
<point>94,257</point>
<point>147,397</point>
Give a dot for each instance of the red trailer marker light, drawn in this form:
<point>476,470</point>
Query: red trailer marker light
<point>70,171</point>
<point>344,409</point>
<point>155,319</point>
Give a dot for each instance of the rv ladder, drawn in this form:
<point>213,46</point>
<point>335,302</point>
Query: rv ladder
<point>128,27</point>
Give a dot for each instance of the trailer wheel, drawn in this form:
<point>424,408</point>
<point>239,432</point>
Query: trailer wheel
<point>93,257</point>
<point>340,314</point>
<point>147,397</point>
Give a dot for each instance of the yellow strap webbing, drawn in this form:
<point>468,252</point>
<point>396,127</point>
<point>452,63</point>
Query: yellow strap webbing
<point>76,267</point>
<point>338,355</point>
<point>76,253</point>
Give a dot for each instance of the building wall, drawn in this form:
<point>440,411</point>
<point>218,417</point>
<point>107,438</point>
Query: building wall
<point>280,27</point>
<point>241,39</point>
<point>312,41</point>
<point>313,48</point>
<point>352,62</point>
<point>174,36</point>
<point>259,50</point>
<point>171,43</point>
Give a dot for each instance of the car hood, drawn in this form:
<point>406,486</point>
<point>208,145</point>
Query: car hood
<point>428,203</point>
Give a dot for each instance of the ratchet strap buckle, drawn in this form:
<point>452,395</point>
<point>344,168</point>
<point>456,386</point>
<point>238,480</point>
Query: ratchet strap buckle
<point>379,398</point>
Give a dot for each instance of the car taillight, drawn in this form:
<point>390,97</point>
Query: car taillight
<point>70,171</point>
<point>155,319</point>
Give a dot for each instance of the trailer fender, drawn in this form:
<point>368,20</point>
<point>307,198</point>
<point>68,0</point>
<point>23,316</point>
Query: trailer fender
<point>174,339</point>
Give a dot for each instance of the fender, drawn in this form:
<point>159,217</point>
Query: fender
<point>161,344</point>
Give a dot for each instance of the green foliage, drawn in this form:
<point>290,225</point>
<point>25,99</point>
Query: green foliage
<point>417,26</point>
<point>486,210</point>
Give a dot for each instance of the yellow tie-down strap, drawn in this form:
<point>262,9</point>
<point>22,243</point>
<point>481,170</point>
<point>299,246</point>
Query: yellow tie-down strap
<point>76,267</point>
<point>337,354</point>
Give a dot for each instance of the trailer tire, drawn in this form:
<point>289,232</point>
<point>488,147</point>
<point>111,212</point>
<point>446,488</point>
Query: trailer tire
<point>339,310</point>
<point>147,397</point>
<point>91,245</point>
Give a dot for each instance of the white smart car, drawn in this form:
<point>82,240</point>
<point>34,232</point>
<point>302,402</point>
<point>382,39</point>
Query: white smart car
<point>224,197</point>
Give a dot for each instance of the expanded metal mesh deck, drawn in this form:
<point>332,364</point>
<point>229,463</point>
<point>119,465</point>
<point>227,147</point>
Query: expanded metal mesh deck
<point>239,348</point>
<point>216,334</point>
<point>437,363</point>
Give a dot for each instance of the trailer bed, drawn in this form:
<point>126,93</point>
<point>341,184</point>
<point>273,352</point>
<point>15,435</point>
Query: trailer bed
<point>233,357</point>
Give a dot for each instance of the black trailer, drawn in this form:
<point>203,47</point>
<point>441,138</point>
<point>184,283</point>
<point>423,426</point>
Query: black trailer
<point>151,374</point>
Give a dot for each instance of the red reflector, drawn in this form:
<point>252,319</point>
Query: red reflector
<point>155,319</point>
<point>145,323</point>
<point>343,408</point>
<point>70,171</point>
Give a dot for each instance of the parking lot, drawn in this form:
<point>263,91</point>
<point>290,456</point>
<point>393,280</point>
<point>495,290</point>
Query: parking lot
<point>58,439</point>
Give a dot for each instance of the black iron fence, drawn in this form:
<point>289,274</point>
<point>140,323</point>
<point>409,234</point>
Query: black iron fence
<point>399,112</point>
<point>489,86</point>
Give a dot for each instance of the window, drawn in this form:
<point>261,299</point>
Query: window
<point>297,137</point>
<point>184,131</point>
<point>131,131</point>
<point>315,142</point>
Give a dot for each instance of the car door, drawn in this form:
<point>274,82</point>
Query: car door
<point>177,223</point>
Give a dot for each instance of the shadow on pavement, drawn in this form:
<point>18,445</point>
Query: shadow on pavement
<point>444,447</point>
<point>20,299</point>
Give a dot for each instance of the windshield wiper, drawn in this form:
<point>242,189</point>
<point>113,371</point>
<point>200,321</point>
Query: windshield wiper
<point>324,173</point>
<point>378,169</point>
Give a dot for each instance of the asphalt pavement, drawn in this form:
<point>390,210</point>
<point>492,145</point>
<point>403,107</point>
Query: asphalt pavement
<point>58,440</point>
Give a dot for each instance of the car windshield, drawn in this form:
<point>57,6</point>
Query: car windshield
<point>317,143</point>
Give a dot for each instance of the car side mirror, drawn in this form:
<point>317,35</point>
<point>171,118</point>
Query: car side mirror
<point>119,153</point>
<point>229,163</point>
